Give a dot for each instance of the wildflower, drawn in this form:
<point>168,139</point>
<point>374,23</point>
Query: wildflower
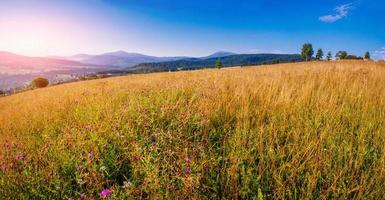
<point>187,160</point>
<point>103,168</point>
<point>90,154</point>
<point>135,158</point>
<point>88,126</point>
<point>7,145</point>
<point>127,184</point>
<point>79,168</point>
<point>187,170</point>
<point>105,193</point>
<point>20,156</point>
<point>82,196</point>
<point>171,187</point>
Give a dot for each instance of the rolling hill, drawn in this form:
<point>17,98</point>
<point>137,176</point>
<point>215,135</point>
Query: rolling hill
<point>228,59</point>
<point>289,131</point>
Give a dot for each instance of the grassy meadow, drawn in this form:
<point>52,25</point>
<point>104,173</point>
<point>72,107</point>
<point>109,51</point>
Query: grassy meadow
<point>290,131</point>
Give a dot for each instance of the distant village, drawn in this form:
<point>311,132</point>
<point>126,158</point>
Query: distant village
<point>56,80</point>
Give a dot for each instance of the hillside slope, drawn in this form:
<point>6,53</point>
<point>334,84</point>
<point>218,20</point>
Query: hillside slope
<point>304,130</point>
<point>228,60</point>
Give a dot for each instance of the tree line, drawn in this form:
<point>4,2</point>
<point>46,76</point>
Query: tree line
<point>307,54</point>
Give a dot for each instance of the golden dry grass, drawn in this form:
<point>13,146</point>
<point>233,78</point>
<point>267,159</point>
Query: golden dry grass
<point>290,131</point>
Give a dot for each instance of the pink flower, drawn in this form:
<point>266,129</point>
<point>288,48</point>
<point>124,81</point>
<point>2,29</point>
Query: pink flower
<point>7,145</point>
<point>88,126</point>
<point>20,156</point>
<point>90,154</point>
<point>187,160</point>
<point>187,170</point>
<point>105,193</point>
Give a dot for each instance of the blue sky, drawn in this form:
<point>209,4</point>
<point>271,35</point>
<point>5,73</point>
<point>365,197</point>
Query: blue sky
<point>192,28</point>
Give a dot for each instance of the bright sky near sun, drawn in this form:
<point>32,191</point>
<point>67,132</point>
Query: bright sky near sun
<point>191,28</point>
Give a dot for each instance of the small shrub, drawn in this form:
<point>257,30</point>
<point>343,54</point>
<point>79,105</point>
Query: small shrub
<point>275,62</point>
<point>40,82</point>
<point>218,64</point>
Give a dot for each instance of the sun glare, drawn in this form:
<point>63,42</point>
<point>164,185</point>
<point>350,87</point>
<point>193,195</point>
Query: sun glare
<point>36,36</point>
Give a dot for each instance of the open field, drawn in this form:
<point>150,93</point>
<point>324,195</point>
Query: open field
<point>305,130</point>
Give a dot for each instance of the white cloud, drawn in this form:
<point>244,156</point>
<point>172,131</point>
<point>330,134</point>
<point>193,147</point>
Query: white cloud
<point>254,51</point>
<point>380,54</point>
<point>341,12</point>
<point>277,51</point>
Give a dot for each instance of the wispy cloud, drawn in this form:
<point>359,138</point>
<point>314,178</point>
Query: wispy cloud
<point>341,12</point>
<point>380,54</point>
<point>277,51</point>
<point>254,51</point>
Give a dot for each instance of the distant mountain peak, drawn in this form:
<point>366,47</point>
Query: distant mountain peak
<point>124,54</point>
<point>220,54</point>
<point>116,53</point>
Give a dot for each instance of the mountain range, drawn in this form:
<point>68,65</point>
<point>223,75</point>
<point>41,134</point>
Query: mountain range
<point>120,59</point>
<point>14,64</point>
<point>227,60</point>
<point>17,70</point>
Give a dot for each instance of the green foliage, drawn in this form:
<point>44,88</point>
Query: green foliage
<point>307,51</point>
<point>329,56</point>
<point>319,55</point>
<point>275,62</point>
<point>341,55</point>
<point>218,64</point>
<point>233,60</point>
<point>40,82</point>
<point>353,57</point>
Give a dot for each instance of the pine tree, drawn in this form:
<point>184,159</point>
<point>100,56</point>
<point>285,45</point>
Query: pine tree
<point>329,56</point>
<point>319,55</point>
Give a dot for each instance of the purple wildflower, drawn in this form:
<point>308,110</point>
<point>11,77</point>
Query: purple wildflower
<point>79,168</point>
<point>20,156</point>
<point>187,160</point>
<point>90,154</point>
<point>82,196</point>
<point>105,193</point>
<point>187,170</point>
